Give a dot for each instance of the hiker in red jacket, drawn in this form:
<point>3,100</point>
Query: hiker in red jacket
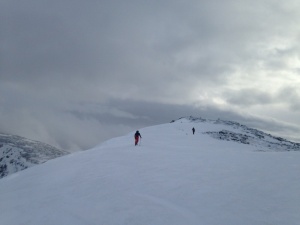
<point>137,135</point>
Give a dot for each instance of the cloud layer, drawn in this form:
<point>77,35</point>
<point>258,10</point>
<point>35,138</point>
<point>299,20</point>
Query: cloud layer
<point>76,73</point>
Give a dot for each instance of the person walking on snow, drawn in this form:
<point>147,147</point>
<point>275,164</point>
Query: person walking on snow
<point>193,130</point>
<point>137,135</point>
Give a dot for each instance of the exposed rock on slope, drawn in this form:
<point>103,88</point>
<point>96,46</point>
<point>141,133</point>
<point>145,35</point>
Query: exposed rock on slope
<point>233,131</point>
<point>18,153</point>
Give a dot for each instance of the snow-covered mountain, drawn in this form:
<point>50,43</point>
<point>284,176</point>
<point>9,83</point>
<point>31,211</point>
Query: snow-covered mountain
<point>214,177</point>
<point>233,131</point>
<point>18,153</point>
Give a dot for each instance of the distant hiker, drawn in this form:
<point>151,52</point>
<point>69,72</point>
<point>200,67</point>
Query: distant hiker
<point>193,130</point>
<point>137,135</point>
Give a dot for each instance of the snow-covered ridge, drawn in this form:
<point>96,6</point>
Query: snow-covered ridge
<point>18,153</point>
<point>236,132</point>
<point>172,177</point>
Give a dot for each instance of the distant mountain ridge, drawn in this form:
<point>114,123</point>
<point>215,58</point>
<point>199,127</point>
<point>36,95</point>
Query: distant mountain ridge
<point>237,132</point>
<point>18,153</point>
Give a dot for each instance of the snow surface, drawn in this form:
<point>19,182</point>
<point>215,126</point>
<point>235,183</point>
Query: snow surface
<point>172,178</point>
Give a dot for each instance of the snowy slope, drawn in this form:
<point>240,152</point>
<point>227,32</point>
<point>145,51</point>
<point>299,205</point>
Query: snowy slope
<point>233,131</point>
<point>173,177</point>
<point>18,153</point>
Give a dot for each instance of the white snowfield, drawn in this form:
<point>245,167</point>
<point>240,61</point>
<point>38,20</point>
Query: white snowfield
<point>172,178</point>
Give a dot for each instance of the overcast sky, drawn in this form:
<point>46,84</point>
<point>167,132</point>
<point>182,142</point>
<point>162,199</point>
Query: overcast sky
<point>74,73</point>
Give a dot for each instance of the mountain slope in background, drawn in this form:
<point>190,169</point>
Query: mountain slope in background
<point>233,131</point>
<point>18,153</point>
<point>172,177</point>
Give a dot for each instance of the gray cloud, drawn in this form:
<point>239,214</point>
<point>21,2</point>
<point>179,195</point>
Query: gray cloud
<point>291,97</point>
<point>104,68</point>
<point>248,97</point>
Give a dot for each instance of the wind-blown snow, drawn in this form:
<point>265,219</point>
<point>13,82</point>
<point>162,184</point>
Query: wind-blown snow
<point>173,178</point>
